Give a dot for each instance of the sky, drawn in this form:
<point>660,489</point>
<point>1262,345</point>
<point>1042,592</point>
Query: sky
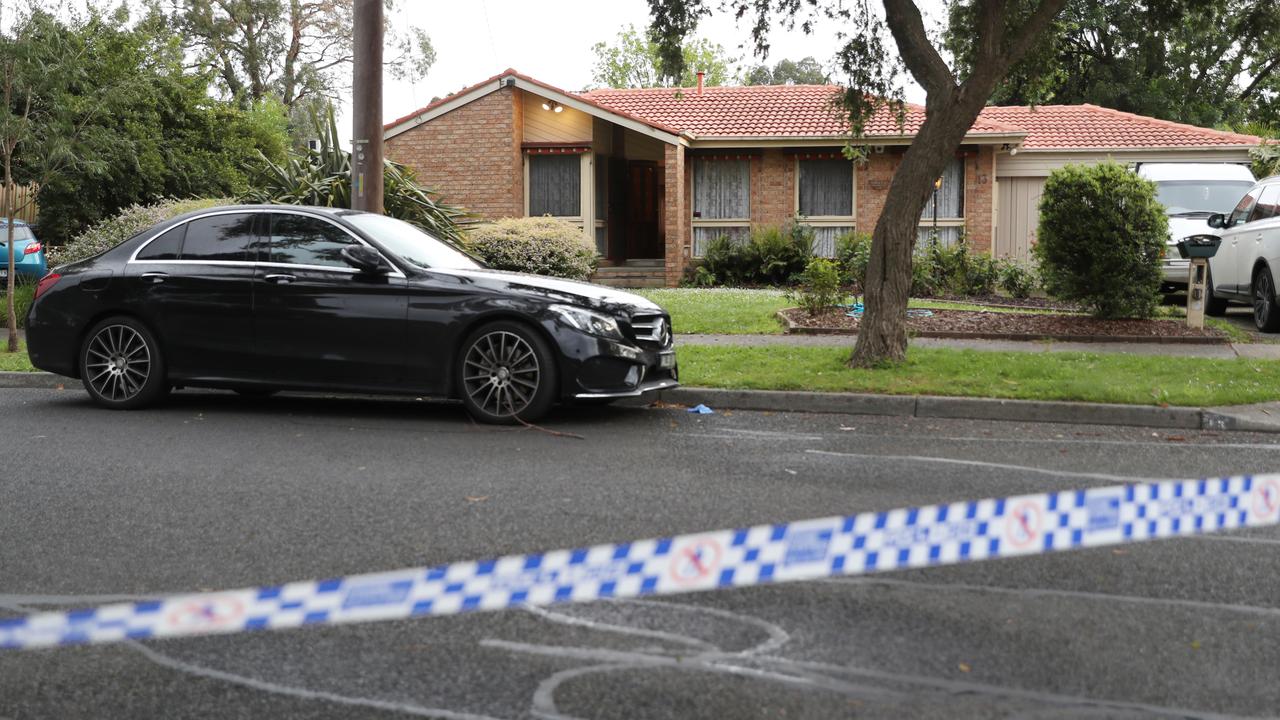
<point>551,41</point>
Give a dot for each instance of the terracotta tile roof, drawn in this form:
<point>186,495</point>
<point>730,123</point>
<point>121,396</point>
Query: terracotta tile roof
<point>1082,127</point>
<point>784,111</point>
<point>807,111</point>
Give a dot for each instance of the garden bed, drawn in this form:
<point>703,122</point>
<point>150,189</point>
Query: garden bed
<point>979,325</point>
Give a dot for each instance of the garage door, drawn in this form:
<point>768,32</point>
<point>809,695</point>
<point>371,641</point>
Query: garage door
<point>1018,203</point>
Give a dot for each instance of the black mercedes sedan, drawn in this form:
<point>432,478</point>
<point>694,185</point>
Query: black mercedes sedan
<point>260,298</point>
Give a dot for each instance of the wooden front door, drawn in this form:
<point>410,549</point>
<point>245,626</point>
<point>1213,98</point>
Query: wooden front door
<point>642,229</point>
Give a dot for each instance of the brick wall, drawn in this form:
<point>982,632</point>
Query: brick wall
<point>773,187</point>
<point>979,206</point>
<point>471,155</point>
<point>675,211</point>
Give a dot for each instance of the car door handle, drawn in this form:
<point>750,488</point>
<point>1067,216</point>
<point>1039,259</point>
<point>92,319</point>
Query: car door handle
<point>155,278</point>
<point>280,279</point>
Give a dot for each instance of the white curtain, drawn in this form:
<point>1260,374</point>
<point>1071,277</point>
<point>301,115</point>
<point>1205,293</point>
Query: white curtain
<point>950,195</point>
<point>721,189</point>
<point>824,240</point>
<point>948,235</point>
<point>704,235</point>
<point>826,188</point>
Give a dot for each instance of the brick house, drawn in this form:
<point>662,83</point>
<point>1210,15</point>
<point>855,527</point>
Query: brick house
<point>652,175</point>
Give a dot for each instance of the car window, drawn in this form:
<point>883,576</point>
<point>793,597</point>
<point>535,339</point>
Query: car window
<point>1241,213</point>
<point>301,240</point>
<point>20,232</point>
<point>1266,207</point>
<point>166,247</point>
<point>220,237</point>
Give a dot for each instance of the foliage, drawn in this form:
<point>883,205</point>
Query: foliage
<point>1017,280</point>
<point>853,254</point>
<point>1102,232</point>
<point>819,286</point>
<point>788,72</point>
<point>539,245</point>
<point>108,233</point>
<point>772,256</point>
<point>136,126</point>
<point>292,50</point>
<point>16,361</point>
<point>632,62</point>
<point>322,177</point>
<point>1199,61</point>
<point>23,294</point>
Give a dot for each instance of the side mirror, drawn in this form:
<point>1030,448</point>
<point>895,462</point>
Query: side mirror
<point>1217,220</point>
<point>363,258</point>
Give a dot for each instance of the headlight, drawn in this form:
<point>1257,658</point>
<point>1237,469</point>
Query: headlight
<point>588,321</point>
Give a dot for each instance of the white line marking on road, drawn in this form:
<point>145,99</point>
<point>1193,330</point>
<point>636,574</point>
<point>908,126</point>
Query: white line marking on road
<point>1189,445</point>
<point>564,619</point>
<point>981,463</point>
<point>1076,594</point>
<point>75,599</point>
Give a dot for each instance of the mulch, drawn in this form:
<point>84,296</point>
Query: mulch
<point>979,325</point>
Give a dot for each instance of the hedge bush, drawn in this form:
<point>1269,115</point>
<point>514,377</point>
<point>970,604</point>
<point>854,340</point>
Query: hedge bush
<point>774,255</point>
<point>1101,235</point>
<point>129,222</point>
<point>539,245</point>
<point>819,286</point>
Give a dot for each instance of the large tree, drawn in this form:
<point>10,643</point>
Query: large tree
<point>632,61</point>
<point>1003,32</point>
<point>805,71</point>
<point>294,50</point>
<point>1205,62</point>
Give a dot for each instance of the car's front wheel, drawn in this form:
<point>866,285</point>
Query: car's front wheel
<point>1214,306</point>
<point>121,366</point>
<point>506,374</point>
<point>1265,315</point>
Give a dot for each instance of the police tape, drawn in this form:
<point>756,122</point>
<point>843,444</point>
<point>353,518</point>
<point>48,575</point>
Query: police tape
<point>807,550</point>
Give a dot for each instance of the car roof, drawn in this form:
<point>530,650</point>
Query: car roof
<point>1161,172</point>
<point>314,209</point>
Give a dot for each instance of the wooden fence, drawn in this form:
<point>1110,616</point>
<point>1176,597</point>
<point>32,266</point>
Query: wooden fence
<point>24,201</point>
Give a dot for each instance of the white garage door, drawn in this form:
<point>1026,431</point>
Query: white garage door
<point>1018,215</point>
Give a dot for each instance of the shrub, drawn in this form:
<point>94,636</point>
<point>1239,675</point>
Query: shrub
<point>725,261</point>
<point>1101,235</point>
<point>819,286</point>
<point>1016,280</point>
<point>129,222</point>
<point>853,254</point>
<point>778,255</point>
<point>539,245</point>
<point>24,292</point>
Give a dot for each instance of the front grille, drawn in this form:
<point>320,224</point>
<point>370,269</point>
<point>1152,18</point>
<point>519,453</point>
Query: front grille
<point>651,330</point>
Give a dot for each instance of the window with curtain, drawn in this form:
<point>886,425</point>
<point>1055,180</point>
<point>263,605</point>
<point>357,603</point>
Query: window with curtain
<point>824,196</point>
<point>555,185</point>
<point>950,200</point>
<point>721,200</point>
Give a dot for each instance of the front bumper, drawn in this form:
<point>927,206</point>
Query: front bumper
<point>595,367</point>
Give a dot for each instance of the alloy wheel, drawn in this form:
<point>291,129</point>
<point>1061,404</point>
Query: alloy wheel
<point>1262,299</point>
<point>501,373</point>
<point>118,362</point>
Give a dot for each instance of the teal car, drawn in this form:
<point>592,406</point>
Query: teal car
<point>28,253</point>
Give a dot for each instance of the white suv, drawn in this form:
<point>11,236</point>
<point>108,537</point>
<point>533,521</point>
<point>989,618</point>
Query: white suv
<point>1244,268</point>
<point>1191,192</point>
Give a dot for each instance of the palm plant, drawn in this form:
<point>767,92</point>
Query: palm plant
<point>322,177</point>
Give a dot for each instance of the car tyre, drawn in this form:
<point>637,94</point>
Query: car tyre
<point>506,374</point>
<point>1214,306</point>
<point>1265,314</point>
<point>121,365</point>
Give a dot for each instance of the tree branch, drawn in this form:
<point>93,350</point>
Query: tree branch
<point>918,52</point>
<point>1031,31</point>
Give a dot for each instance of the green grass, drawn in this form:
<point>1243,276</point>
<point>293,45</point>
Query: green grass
<point>729,311</point>
<point>16,361</point>
<point>1130,379</point>
<point>23,294</point>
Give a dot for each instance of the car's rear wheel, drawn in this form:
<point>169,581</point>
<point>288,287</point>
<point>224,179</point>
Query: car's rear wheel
<point>121,365</point>
<point>506,374</point>
<point>1265,315</point>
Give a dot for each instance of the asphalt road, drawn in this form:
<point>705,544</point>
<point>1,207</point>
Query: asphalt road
<point>214,491</point>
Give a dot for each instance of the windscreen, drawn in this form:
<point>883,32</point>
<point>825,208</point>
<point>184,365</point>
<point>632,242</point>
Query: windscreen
<point>1198,196</point>
<point>412,244</point>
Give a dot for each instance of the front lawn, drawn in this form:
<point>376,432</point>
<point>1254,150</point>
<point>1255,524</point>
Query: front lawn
<point>1090,377</point>
<point>733,311</point>
<point>15,361</point>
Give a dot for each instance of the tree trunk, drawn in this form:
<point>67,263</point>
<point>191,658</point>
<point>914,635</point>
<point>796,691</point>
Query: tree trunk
<point>882,332</point>
<point>11,310</point>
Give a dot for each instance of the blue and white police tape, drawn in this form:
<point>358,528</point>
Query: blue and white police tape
<point>853,545</point>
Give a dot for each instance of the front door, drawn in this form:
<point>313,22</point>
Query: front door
<point>317,320</point>
<point>644,197</point>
